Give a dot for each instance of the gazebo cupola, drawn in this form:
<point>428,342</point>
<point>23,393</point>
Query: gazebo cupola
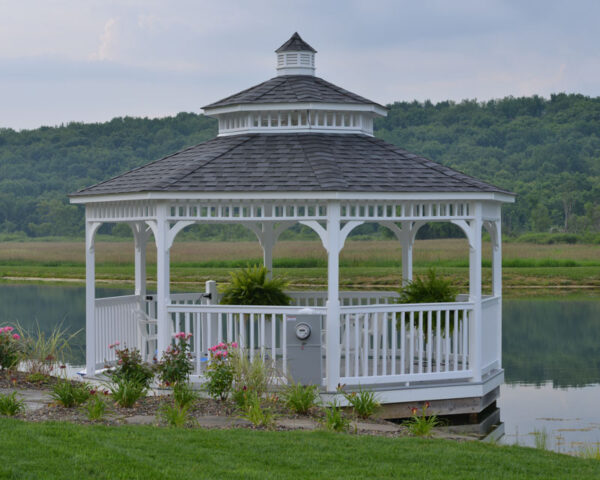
<point>295,101</point>
<point>295,57</point>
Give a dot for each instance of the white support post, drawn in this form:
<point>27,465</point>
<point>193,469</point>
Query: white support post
<point>90,297</point>
<point>475,337</point>
<point>332,324</point>
<point>162,279</point>
<point>140,238</point>
<point>497,284</point>
<point>407,253</point>
<point>267,242</point>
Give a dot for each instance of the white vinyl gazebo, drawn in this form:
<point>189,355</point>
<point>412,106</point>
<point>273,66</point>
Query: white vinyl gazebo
<point>298,149</point>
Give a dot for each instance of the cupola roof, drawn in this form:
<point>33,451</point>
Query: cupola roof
<point>295,44</point>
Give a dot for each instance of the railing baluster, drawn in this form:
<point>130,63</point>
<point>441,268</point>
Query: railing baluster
<point>429,341</point>
<point>402,344</point>
<point>455,338</point>
<point>283,342</point>
<point>447,342</point>
<point>394,343</point>
<point>347,347</point>
<point>251,327</point>
<point>384,346</point>
<point>412,343</point>
<point>273,338</point>
<point>262,335</point>
<point>465,327</point>
<point>356,345</point>
<point>420,341</point>
<point>438,340</point>
<point>365,348</point>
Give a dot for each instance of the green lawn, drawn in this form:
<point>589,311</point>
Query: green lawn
<point>67,451</point>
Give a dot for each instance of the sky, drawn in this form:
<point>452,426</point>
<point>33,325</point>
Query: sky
<point>93,60</point>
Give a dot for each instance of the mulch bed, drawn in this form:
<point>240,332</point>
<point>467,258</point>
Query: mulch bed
<point>150,407</point>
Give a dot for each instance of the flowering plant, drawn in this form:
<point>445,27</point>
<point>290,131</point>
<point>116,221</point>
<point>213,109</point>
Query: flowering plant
<point>130,366</point>
<point>175,365</point>
<point>220,370</point>
<point>11,348</point>
<point>422,425</point>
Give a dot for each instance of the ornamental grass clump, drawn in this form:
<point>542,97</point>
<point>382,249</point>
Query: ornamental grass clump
<point>126,392</point>
<point>422,425</point>
<point>300,398</point>
<point>43,352</point>
<point>250,375</point>
<point>256,414</point>
<point>220,373</point>
<point>335,419</point>
<point>252,286</point>
<point>95,407</point>
<point>176,415</point>
<point>10,405</point>
<point>70,394</point>
<point>11,348</point>
<point>176,365</point>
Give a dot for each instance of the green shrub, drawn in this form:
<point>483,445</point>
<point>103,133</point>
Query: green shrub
<point>126,392</point>
<point>70,394</point>
<point>130,366</point>
<point>251,286</point>
<point>300,398</point>
<point>10,405</point>
<point>219,374</point>
<point>176,365</point>
<point>364,402</point>
<point>37,378</point>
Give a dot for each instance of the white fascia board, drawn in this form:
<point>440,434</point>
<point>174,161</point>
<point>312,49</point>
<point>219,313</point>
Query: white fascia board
<point>345,107</point>
<point>284,196</point>
<point>341,130</point>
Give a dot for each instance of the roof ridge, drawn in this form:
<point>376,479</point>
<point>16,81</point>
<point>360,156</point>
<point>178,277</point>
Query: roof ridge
<point>310,163</point>
<point>247,90</point>
<point>438,167</point>
<point>237,144</point>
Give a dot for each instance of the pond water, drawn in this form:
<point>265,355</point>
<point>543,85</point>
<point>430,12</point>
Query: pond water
<point>551,357</point>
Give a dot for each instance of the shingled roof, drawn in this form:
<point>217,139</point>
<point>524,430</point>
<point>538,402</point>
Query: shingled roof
<point>295,44</point>
<point>293,89</point>
<point>299,162</point>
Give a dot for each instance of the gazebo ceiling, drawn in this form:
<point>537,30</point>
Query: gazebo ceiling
<point>298,162</point>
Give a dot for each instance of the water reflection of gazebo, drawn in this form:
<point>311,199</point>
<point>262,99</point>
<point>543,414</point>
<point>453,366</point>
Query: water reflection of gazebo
<point>298,149</point>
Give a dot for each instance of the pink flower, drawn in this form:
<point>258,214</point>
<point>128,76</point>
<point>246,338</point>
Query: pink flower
<point>414,410</point>
<point>117,344</point>
<point>7,329</point>
<point>16,336</point>
<point>234,345</point>
<point>189,335</point>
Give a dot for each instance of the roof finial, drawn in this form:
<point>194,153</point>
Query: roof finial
<point>295,57</point>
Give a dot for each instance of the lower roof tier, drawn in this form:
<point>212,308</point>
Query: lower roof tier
<point>292,162</point>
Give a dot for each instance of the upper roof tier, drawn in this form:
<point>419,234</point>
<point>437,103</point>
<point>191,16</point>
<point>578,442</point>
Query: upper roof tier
<point>295,101</point>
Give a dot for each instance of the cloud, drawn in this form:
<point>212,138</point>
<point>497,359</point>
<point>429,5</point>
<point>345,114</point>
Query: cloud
<point>108,41</point>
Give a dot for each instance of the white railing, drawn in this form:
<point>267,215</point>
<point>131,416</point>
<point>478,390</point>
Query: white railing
<point>405,343</point>
<point>115,321</point>
<point>491,334</point>
<point>319,298</point>
<point>257,330</point>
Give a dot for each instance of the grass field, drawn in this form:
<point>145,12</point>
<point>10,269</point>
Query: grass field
<point>363,263</point>
<point>67,451</point>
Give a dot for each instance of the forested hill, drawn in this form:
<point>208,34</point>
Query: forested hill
<point>546,150</point>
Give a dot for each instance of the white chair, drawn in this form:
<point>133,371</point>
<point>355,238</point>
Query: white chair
<point>148,334</point>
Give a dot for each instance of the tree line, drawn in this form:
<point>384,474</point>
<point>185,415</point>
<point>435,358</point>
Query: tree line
<point>545,150</point>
